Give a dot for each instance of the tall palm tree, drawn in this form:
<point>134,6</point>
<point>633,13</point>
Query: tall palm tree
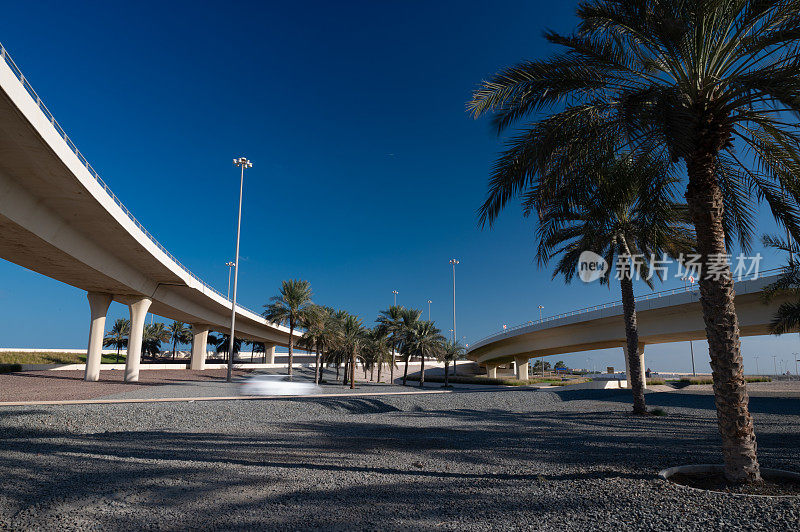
<point>118,335</point>
<point>291,306</point>
<point>381,348</point>
<point>222,345</point>
<point>424,340</point>
<point>692,79</point>
<point>390,322</point>
<point>315,337</point>
<point>179,333</point>
<point>628,209</point>
<point>449,352</point>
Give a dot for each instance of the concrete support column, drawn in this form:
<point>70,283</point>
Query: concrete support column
<point>641,365</point>
<point>98,305</point>
<point>199,347</point>
<point>269,354</point>
<point>138,311</point>
<point>522,368</point>
<point>491,370</point>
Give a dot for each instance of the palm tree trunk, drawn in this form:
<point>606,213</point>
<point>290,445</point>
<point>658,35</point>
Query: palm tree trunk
<point>705,201</point>
<point>446,363</point>
<point>174,346</point>
<point>291,347</point>
<point>353,370</point>
<point>391,368</point>
<point>454,367</point>
<point>380,367</point>
<point>422,371</point>
<point>316,365</point>
<point>405,373</point>
<point>372,372</point>
<point>632,335</point>
<point>117,362</point>
<point>337,370</point>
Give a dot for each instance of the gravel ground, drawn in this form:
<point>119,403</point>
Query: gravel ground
<point>469,460</point>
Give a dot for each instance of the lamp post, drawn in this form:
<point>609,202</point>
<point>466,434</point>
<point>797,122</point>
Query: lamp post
<point>774,364</point>
<point>429,309</point>
<point>540,313</point>
<point>756,358</point>
<point>453,263</point>
<point>691,350</point>
<point>395,292</point>
<point>242,163</point>
<point>230,265</point>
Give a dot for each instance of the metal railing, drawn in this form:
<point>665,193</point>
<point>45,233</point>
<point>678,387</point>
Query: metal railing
<point>611,304</point>
<point>42,107</point>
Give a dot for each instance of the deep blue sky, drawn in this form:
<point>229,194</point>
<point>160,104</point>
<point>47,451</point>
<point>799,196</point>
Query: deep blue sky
<point>367,171</point>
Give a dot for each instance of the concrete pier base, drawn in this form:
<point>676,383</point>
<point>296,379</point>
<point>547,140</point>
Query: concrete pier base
<point>522,368</point>
<point>491,371</point>
<point>199,347</point>
<point>98,305</point>
<point>138,311</point>
<point>641,365</point>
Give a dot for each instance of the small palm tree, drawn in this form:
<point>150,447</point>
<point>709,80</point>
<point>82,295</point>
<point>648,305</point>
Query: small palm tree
<point>690,80</point>
<point>353,337</point>
<point>222,345</point>
<point>315,337</point>
<point>408,324</point>
<point>292,306</point>
<point>425,341</point>
<point>628,208</point>
<point>179,333</point>
<point>787,318</point>
<point>118,335</point>
<point>154,334</point>
<point>449,352</point>
<point>390,322</point>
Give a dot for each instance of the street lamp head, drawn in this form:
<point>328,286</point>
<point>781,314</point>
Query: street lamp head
<point>243,162</point>
<point>453,261</point>
<point>429,301</point>
<point>395,292</point>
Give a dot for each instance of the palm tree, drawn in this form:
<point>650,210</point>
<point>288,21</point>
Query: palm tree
<point>291,306</point>
<point>690,79</point>
<point>222,345</point>
<point>424,340</point>
<point>408,323</point>
<point>380,348</point>
<point>118,335</point>
<point>353,337</point>
<point>154,334</point>
<point>628,208</point>
<point>316,335</point>
<point>179,333</point>
<point>787,318</point>
<point>449,352</point>
<point>390,322</point>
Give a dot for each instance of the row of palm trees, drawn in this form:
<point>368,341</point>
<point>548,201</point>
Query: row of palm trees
<point>337,337</point>
<point>646,91</point>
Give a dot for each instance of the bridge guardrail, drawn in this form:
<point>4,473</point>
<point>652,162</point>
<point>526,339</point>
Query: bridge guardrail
<point>42,107</point>
<point>637,299</point>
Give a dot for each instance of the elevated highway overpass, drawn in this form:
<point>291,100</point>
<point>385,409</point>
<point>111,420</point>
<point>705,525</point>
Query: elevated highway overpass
<point>58,218</point>
<point>671,316</point>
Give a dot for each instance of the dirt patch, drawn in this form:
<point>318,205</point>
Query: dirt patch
<point>64,385</point>
<point>717,482</point>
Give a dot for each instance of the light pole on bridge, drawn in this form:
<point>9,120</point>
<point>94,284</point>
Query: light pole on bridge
<point>230,265</point>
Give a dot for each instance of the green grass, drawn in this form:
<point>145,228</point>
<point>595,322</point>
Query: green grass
<point>709,380</point>
<point>13,357</point>
<point>500,381</point>
<point>658,412</point>
<point>651,382</point>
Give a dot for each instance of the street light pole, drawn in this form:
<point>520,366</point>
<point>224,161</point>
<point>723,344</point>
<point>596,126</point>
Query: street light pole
<point>691,349</point>
<point>395,292</point>
<point>774,364</point>
<point>230,265</point>
<point>242,163</point>
<point>540,313</point>
<point>429,309</point>
<point>453,263</point>
<point>757,372</point>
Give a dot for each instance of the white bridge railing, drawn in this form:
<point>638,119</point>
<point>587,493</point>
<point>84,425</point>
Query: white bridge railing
<point>611,304</point>
<point>18,73</point>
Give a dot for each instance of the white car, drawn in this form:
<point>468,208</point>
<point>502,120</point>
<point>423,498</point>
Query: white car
<point>261,384</point>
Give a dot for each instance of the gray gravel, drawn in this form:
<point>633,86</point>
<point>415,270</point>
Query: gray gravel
<point>470,460</point>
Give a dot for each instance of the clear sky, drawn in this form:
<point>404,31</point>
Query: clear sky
<point>367,171</point>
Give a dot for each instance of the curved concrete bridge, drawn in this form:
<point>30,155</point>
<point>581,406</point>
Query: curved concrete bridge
<point>674,316</point>
<point>58,218</point>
